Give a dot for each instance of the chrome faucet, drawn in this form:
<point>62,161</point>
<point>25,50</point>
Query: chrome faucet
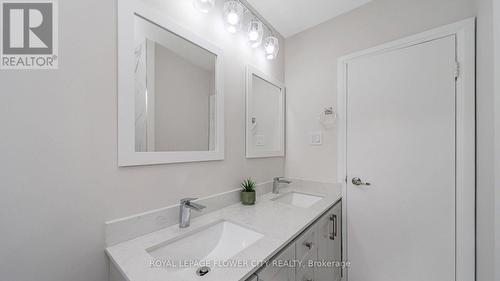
<point>185,211</point>
<point>276,183</point>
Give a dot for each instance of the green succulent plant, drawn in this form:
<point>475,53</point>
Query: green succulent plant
<point>248,185</point>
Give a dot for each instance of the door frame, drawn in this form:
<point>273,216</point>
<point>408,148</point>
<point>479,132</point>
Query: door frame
<point>465,224</point>
<point>496,31</point>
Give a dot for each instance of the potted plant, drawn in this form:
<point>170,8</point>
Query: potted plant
<point>248,192</point>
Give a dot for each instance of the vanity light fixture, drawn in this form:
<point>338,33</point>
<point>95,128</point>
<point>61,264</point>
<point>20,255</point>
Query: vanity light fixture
<point>255,33</point>
<point>233,14</point>
<point>271,47</point>
<point>203,6</point>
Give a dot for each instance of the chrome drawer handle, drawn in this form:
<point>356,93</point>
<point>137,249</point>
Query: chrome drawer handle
<point>333,234</point>
<point>335,227</point>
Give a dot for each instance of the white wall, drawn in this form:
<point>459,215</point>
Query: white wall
<point>311,72</point>
<point>58,167</point>
<point>311,69</point>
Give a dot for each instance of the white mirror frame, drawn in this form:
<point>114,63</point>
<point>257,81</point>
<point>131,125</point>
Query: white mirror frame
<point>250,72</point>
<point>127,156</point>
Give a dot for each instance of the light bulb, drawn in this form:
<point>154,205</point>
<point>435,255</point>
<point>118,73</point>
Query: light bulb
<point>231,28</point>
<point>203,6</point>
<point>255,32</point>
<point>233,13</point>
<point>233,18</point>
<point>253,35</point>
<point>271,47</point>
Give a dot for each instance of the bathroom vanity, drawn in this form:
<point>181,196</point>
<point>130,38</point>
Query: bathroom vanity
<point>315,255</point>
<point>294,236</point>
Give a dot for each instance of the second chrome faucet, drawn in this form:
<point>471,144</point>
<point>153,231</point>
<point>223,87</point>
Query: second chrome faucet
<point>276,184</point>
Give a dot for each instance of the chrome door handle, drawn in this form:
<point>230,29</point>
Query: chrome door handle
<point>358,181</point>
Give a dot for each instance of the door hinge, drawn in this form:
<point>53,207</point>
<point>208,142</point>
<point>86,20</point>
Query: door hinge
<point>457,69</point>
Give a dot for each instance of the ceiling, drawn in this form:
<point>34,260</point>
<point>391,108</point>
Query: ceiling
<point>290,17</point>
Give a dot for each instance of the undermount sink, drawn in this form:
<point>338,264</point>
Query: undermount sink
<point>301,200</point>
<point>215,242</point>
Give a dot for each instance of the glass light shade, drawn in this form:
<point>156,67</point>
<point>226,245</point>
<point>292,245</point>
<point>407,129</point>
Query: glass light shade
<point>271,47</point>
<point>255,32</point>
<point>233,14</point>
<point>231,28</point>
<point>203,6</point>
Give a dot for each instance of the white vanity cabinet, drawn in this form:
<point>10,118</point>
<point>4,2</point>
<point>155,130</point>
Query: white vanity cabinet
<point>322,241</point>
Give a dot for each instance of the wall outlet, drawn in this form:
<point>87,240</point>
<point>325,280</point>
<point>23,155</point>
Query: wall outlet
<point>316,138</point>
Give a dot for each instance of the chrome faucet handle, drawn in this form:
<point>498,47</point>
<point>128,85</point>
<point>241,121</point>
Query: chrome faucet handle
<point>195,206</point>
<point>281,180</point>
<point>187,202</point>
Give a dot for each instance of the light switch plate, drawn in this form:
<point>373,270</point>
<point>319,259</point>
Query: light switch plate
<point>316,138</point>
<point>259,140</point>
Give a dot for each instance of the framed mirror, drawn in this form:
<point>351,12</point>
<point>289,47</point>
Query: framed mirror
<point>170,93</point>
<point>265,115</point>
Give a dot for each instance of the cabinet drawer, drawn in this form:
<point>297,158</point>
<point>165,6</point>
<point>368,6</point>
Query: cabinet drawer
<point>306,245</point>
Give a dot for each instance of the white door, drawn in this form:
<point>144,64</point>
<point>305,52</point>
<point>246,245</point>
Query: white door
<point>401,139</point>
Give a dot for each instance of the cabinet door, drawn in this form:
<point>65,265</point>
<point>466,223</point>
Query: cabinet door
<point>306,274</point>
<point>306,245</point>
<point>306,248</point>
<point>330,245</point>
<point>275,271</point>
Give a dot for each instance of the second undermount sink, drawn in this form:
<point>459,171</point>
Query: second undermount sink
<point>301,200</point>
<point>219,241</point>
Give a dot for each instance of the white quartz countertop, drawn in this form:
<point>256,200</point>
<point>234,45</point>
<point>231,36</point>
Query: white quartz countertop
<point>279,223</point>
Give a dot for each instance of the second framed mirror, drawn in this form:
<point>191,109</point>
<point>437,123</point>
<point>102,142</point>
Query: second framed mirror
<point>265,115</point>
